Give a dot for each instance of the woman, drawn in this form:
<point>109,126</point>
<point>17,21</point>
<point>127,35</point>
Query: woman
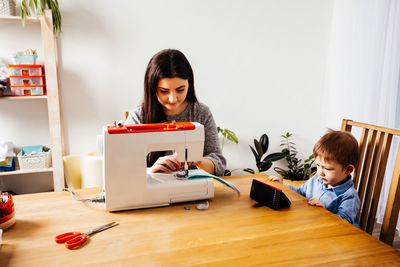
<point>169,95</point>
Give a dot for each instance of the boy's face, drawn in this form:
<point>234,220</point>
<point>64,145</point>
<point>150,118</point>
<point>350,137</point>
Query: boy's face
<point>332,173</point>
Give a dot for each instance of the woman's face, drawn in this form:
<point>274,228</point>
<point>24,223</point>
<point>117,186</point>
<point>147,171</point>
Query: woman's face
<point>171,93</point>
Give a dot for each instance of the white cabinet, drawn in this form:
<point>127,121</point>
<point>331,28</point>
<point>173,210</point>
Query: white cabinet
<point>52,98</point>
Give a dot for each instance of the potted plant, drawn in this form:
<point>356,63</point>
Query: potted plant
<point>36,7</point>
<point>231,136</point>
<point>259,150</point>
<point>263,161</point>
<point>297,169</point>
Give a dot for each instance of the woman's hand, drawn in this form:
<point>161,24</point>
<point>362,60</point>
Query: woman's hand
<point>315,202</point>
<point>166,164</point>
<point>205,164</point>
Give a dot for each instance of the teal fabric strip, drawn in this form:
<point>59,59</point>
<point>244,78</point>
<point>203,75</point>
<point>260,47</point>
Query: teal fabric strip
<point>204,176</point>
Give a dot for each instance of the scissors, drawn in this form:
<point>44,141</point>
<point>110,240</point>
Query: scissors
<point>76,239</point>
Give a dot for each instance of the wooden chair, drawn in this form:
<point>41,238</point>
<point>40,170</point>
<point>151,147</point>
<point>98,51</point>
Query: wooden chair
<point>375,142</point>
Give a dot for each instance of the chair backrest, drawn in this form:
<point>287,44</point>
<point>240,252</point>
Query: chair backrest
<point>374,145</point>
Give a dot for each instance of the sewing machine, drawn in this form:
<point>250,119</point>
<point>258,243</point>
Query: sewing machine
<point>127,182</point>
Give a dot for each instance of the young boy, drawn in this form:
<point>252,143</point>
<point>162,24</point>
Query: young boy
<point>336,155</point>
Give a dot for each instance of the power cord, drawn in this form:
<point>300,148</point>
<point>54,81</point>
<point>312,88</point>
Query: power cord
<point>98,199</point>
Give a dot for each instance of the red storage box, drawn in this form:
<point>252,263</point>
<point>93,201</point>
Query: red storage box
<point>27,80</point>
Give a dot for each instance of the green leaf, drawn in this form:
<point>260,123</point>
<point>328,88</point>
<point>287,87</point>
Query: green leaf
<point>264,166</point>
<point>227,172</point>
<point>264,142</point>
<point>249,170</point>
<point>274,156</point>
<point>36,7</point>
<point>258,148</point>
<point>232,136</point>
<point>228,134</point>
<point>22,15</point>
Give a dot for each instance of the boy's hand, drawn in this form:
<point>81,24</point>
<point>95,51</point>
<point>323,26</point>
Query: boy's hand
<point>315,202</point>
<point>275,179</point>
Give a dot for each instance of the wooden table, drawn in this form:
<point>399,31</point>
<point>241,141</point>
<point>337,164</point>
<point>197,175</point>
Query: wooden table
<point>232,232</point>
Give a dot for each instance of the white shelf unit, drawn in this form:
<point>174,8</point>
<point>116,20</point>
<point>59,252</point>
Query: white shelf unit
<point>52,98</point>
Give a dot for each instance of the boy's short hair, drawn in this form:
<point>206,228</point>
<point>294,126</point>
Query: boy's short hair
<point>338,146</point>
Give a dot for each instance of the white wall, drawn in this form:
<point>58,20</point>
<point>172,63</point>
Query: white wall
<point>259,65</point>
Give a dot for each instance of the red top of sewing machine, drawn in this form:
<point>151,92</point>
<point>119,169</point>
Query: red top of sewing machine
<point>151,127</point>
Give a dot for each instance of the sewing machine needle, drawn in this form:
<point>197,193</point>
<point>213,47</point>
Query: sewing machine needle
<point>186,165</point>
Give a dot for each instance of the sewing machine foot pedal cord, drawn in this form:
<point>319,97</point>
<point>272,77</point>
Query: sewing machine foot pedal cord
<point>98,199</point>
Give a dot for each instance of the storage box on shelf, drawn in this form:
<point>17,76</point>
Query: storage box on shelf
<point>27,80</point>
<point>7,8</point>
<point>35,161</point>
<point>24,59</point>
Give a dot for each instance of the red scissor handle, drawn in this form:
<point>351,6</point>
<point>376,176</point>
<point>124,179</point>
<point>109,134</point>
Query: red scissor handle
<point>66,236</point>
<point>76,241</point>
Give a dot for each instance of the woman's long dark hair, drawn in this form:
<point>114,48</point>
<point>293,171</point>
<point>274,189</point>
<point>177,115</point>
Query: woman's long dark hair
<point>168,63</point>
